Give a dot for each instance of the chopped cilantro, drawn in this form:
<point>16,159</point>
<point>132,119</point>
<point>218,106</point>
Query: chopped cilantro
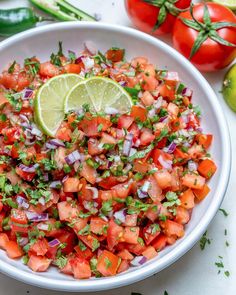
<point>82,246</point>
<point>12,67</point>
<point>61,261</point>
<point>107,263</point>
<point>95,245</point>
<point>106,207</point>
<point>204,241</point>
<point>224,212</point>
<point>84,231</point>
<point>227,273</point>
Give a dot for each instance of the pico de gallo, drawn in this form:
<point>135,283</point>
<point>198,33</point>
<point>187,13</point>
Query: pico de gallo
<point>111,190</point>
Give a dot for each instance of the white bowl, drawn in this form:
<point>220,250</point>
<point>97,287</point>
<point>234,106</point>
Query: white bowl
<point>44,40</point>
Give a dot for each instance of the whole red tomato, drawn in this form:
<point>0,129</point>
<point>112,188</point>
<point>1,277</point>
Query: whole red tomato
<point>213,53</point>
<point>145,14</point>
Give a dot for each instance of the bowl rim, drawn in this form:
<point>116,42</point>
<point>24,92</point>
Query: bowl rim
<point>188,242</point>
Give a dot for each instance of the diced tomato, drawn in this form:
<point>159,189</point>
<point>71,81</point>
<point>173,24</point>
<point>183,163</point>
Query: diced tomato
<point>167,91</point>
<point>146,136</point>
<point>135,249</point>
<point>138,112</point>
<point>125,254</point>
<point>207,168</point>
<point>48,70</point>
<point>89,125</point>
<point>71,185</point>
<point>122,190</point>
<point>171,78</point>
<point>1,206</point>
<point>28,176</point>
<point>180,156</point>
<point>18,216</point>
<point>98,225</point>
<point>147,99</point>
<point>3,240</point>
<point>11,135</point>
<point>154,190</point>
<point>80,268</point>
<point>79,223</point>
<point>88,172</point>
<point>201,193</point>
<point>125,121</point>
<point>89,240</point>
<point>182,215</point>
<point>172,228</point>
<point>39,248</point>
<point>187,199</point>
<point>67,269</point>
<point>204,139</point>
<point>140,166</point>
<point>160,242</point>
<point>64,132</point>
<point>108,263</point>
<point>13,250</point>
<point>150,232</point>
<point>106,138</point>
<point>139,61</point>
<point>67,210</point>
<point>38,263</point>
<point>135,131</point>
<point>3,99</point>
<point>72,68</point>
<point>108,182</point>
<point>67,238</point>
<point>106,195</point>
<point>93,147</point>
<point>163,179</point>
<point>114,234</point>
<point>150,252</point>
<point>193,181</point>
<point>131,234</point>
<point>157,153</point>
<point>131,220</point>
<point>124,265</point>
<point>84,253</point>
<point>115,55</point>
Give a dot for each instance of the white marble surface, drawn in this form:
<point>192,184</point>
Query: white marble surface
<point>195,273</point>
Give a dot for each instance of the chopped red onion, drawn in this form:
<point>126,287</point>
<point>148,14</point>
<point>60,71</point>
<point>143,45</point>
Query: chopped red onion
<point>54,243</point>
<point>137,143</point>
<point>94,191</point>
<point>127,168</point>
<point>132,152</point>
<point>27,93</point>
<point>43,226</point>
<point>23,241</point>
<point>142,194</point>
<point>79,59</point>
<point>88,63</point>
<point>29,169</point>
<point>98,179</point>
<point>111,111</point>
<point>22,202</point>
<point>45,177</point>
<point>157,104</point>
<point>41,201</point>
<point>56,184</point>
<point>72,157</point>
<point>35,131</point>
<point>65,178</point>
<point>164,119</point>
<point>171,148</point>
<point>104,217</point>
<point>185,118</point>
<point>33,216</point>
<point>90,47</point>
<point>56,142</point>
<point>199,129</point>
<point>187,92</point>
<point>117,158</point>
<point>138,260</point>
<point>151,113</point>
<point>123,83</point>
<point>127,144</point>
<point>120,215</point>
<point>145,186</point>
<point>24,118</point>
<point>167,164</point>
<point>192,166</point>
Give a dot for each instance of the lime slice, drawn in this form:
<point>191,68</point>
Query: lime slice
<point>49,102</point>
<point>228,3</point>
<point>229,88</point>
<point>99,93</point>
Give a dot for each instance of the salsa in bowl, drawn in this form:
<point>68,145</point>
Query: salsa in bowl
<point>99,176</point>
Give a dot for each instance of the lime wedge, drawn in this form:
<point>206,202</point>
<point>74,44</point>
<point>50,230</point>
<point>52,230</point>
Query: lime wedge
<point>229,88</point>
<point>49,102</point>
<point>228,3</point>
<point>99,93</point>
